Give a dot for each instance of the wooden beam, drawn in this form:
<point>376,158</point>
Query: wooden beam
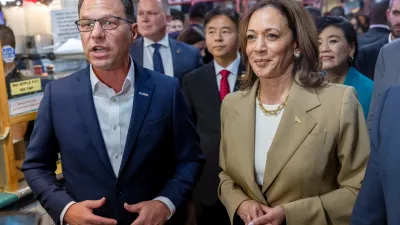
<point>23,118</point>
<point>11,179</point>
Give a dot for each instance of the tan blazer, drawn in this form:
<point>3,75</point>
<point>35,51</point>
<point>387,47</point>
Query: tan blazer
<point>316,161</point>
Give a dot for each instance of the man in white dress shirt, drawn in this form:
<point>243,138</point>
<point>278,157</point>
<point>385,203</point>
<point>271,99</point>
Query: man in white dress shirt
<point>155,50</point>
<point>128,146</point>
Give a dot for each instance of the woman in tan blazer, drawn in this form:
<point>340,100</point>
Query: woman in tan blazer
<point>293,148</point>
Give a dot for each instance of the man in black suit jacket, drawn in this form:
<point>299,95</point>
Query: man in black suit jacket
<point>367,56</point>
<point>378,29</point>
<point>205,89</point>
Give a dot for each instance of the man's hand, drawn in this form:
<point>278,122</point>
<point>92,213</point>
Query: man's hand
<point>250,210</point>
<point>273,216</point>
<point>82,214</point>
<point>150,212</point>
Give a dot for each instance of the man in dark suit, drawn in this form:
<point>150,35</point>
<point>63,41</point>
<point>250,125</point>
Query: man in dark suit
<point>205,88</point>
<point>378,200</point>
<point>368,54</point>
<point>386,74</point>
<point>155,50</point>
<point>378,29</point>
<point>129,149</point>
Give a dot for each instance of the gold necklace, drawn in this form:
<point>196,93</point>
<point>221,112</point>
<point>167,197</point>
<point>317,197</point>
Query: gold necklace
<point>270,112</point>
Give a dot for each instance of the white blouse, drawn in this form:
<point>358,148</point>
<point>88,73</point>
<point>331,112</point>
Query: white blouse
<point>266,127</point>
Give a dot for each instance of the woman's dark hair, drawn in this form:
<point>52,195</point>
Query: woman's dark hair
<point>230,13</point>
<point>348,30</point>
<point>191,35</point>
<point>306,67</point>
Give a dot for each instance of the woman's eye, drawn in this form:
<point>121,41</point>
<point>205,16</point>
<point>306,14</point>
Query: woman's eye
<point>250,37</point>
<point>272,36</point>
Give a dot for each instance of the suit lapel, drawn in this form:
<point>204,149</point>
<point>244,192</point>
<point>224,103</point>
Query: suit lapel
<point>144,89</point>
<point>84,101</point>
<point>210,80</point>
<point>294,127</point>
<point>176,53</point>
<point>245,124</point>
<point>136,51</point>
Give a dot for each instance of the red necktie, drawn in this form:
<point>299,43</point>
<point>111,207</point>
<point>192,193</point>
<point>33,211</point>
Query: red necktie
<point>224,85</point>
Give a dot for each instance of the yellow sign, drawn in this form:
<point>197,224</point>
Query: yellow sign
<point>26,86</point>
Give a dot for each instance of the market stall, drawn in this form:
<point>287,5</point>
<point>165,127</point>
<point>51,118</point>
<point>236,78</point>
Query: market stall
<point>48,47</point>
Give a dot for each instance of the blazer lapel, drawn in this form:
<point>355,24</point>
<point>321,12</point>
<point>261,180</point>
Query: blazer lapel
<point>294,127</point>
<point>136,51</point>
<point>245,123</point>
<point>84,100</point>
<point>144,88</point>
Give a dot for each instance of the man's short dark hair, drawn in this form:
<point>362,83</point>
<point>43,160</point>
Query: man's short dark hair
<point>230,13</point>
<point>314,12</point>
<point>177,15</point>
<point>337,11</point>
<point>128,6</point>
<point>7,36</point>
<point>198,10</point>
<point>377,12</point>
<point>342,23</point>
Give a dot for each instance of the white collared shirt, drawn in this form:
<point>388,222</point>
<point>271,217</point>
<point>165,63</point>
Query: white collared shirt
<point>232,77</point>
<point>379,26</point>
<point>114,112</point>
<point>390,38</point>
<point>165,52</point>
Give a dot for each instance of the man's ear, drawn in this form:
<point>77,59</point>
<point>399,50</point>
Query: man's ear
<point>135,31</point>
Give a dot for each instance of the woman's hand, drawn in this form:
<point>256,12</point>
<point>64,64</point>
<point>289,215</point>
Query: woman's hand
<point>273,216</point>
<point>250,210</point>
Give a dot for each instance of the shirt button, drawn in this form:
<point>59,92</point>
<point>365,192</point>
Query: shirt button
<point>116,156</point>
<point>113,100</point>
<point>114,127</point>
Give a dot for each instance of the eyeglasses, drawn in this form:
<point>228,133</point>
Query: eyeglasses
<point>106,23</point>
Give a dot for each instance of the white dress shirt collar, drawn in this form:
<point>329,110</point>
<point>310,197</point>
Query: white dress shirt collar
<point>233,67</point>
<point>126,87</point>
<point>390,38</point>
<point>164,42</point>
<point>379,26</point>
